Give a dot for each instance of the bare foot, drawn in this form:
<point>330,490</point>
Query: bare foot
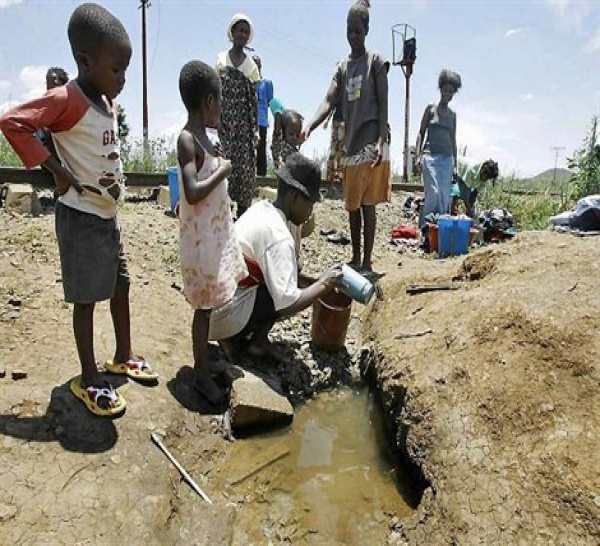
<point>206,387</point>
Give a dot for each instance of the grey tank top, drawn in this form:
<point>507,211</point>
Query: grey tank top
<point>440,129</point>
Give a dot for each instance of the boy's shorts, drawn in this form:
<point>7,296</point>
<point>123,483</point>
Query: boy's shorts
<point>91,255</point>
<point>364,184</point>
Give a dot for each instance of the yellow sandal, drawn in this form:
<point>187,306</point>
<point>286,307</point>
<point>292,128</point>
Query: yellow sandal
<point>90,395</point>
<point>136,368</point>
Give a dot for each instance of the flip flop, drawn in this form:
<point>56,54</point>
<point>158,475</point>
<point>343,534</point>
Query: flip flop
<point>136,368</point>
<point>326,232</point>
<point>89,396</point>
<point>338,239</point>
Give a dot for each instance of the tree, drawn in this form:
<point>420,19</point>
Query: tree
<point>123,125</point>
<point>586,164</point>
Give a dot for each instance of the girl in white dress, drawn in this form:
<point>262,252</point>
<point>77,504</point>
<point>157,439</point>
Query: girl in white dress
<point>211,258</point>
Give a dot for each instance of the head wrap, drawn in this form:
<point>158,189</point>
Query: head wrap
<point>236,19</point>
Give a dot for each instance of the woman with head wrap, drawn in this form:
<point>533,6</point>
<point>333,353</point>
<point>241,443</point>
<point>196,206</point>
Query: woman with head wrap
<point>238,129</point>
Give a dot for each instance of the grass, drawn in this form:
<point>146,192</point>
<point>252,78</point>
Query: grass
<point>531,204</point>
<point>8,158</point>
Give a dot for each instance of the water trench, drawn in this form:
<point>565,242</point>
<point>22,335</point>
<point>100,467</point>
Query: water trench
<point>333,476</point>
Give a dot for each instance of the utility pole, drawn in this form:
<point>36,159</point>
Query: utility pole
<point>557,150</point>
<point>144,4</point>
<point>408,36</point>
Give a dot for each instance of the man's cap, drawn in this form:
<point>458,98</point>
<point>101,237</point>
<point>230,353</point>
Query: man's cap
<point>302,174</point>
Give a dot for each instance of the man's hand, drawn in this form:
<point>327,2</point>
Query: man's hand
<point>63,177</point>
<point>330,278</point>
<point>379,156</point>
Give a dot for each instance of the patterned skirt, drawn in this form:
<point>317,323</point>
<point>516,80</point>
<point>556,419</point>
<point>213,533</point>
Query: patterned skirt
<point>238,127</point>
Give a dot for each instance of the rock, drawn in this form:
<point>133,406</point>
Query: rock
<point>22,198</point>
<point>2,372</point>
<point>164,197</point>
<point>255,404</point>
<point>19,374</point>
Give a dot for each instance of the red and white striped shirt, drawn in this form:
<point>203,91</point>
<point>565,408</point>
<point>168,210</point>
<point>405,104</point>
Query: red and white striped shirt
<point>86,140</point>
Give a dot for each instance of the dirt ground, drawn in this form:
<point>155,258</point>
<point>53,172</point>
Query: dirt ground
<point>497,408</point>
<point>499,405</point>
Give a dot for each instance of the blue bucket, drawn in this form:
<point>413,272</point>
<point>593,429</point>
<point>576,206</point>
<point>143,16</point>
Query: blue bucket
<point>173,187</point>
<point>453,236</point>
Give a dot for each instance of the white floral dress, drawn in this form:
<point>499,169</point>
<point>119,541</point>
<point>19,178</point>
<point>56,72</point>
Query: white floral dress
<point>211,258</point>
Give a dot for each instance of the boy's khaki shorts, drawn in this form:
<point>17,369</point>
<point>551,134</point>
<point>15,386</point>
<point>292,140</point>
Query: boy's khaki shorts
<point>91,255</point>
<point>364,184</point>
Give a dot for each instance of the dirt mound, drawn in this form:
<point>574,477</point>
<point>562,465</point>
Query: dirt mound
<point>497,406</point>
<point>477,267</point>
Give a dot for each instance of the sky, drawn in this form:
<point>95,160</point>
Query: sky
<point>530,69</point>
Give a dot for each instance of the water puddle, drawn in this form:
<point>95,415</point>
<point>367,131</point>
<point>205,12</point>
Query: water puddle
<point>328,478</point>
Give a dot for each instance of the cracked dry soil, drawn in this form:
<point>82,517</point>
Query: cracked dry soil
<point>496,410</point>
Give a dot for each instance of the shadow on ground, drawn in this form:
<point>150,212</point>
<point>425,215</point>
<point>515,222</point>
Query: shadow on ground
<point>66,421</point>
<point>182,389</point>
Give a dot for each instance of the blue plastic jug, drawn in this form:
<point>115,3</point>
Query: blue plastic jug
<point>355,285</point>
<point>173,187</point>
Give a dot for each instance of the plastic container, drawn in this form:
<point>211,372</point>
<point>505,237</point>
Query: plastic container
<point>172,177</point>
<point>453,236</point>
<point>330,319</point>
<point>474,234</point>
<point>432,234</point>
<point>356,286</point>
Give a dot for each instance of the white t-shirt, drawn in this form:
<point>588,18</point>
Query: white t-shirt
<point>264,236</point>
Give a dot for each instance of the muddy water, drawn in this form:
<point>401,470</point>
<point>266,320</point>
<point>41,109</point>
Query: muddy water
<point>331,479</point>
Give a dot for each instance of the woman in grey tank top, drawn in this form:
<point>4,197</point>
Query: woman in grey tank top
<point>436,147</point>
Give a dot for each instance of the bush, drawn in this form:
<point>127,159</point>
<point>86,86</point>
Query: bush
<point>586,164</point>
<point>158,156</point>
<point>8,157</point>
<point>530,205</point>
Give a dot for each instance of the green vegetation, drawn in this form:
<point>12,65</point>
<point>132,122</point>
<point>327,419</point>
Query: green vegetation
<point>122,123</point>
<point>530,201</point>
<point>8,158</point>
<point>586,164</point>
<point>159,156</point>
<point>530,205</point>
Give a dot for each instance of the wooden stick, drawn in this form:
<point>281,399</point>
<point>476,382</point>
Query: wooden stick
<point>269,456</point>
<point>407,335</point>
<point>182,471</point>
<point>421,288</point>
